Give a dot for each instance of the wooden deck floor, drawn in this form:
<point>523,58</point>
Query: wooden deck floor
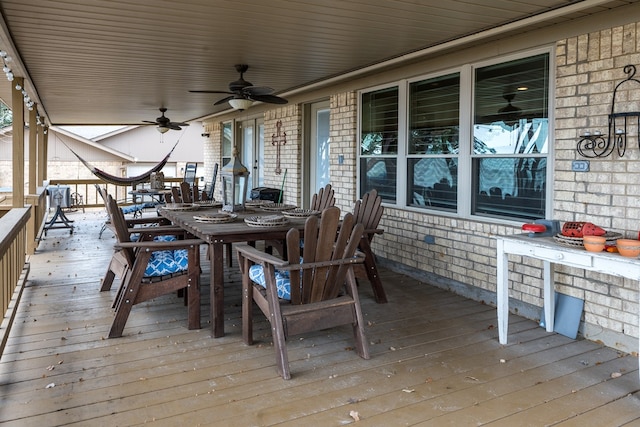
<point>435,360</point>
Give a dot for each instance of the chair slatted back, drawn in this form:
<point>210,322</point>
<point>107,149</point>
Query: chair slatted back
<point>368,211</point>
<point>120,228</point>
<point>175,194</point>
<point>209,189</point>
<point>323,199</point>
<point>195,193</point>
<point>325,239</point>
<point>185,192</point>
<point>190,173</point>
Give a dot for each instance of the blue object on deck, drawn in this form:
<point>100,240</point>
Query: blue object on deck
<point>138,208</point>
<point>567,316</point>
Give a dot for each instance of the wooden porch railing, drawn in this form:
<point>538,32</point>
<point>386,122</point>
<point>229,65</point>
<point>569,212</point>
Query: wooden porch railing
<point>83,190</point>
<point>13,266</point>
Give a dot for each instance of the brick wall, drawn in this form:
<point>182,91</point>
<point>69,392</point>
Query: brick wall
<point>343,123</point>
<point>290,117</point>
<point>588,68</point>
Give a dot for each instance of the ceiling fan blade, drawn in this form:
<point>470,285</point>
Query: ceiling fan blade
<point>173,126</point>
<point>257,90</point>
<point>149,122</point>
<point>210,91</point>
<point>223,100</point>
<point>179,124</point>
<point>269,99</point>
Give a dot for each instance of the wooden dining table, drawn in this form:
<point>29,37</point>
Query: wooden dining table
<point>217,235</point>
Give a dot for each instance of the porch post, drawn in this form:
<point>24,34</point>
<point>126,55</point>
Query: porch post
<point>18,143</point>
<point>33,163</point>
<point>43,138</point>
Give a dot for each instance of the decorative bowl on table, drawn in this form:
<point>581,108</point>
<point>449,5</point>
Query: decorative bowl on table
<point>266,221</point>
<point>216,218</point>
<point>278,207</point>
<point>206,204</point>
<point>628,247</point>
<point>181,207</point>
<point>258,203</point>
<point>300,213</point>
<point>594,243</point>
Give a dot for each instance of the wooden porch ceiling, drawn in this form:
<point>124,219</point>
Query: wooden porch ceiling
<point>435,360</point>
<point>105,62</point>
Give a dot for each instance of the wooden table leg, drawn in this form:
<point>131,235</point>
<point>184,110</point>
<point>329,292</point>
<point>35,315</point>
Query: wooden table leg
<point>216,292</point>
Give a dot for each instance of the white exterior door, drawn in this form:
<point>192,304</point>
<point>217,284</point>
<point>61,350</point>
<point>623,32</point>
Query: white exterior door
<point>319,141</point>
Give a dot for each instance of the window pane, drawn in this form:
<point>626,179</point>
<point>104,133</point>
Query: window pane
<point>510,186</point>
<point>434,112</point>
<point>434,106</point>
<point>379,122</point>
<point>227,139</point>
<point>433,183</point>
<point>379,173</point>
<point>511,107</point>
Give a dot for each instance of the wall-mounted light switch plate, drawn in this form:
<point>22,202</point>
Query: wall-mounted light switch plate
<point>580,166</point>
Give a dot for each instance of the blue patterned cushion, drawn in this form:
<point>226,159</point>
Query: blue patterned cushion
<point>181,259</point>
<point>283,283</point>
<point>166,262</point>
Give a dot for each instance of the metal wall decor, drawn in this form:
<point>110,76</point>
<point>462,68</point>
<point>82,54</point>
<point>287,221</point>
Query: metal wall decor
<point>596,144</point>
<point>278,139</point>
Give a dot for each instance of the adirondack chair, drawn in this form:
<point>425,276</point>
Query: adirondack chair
<point>368,212</point>
<point>175,194</point>
<point>323,199</point>
<point>209,189</point>
<point>154,268</point>
<point>190,173</point>
<point>300,295</point>
<point>140,229</point>
<point>132,209</point>
<point>185,192</point>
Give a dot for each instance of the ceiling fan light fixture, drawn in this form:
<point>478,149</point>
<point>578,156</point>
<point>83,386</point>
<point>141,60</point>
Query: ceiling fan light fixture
<point>240,103</point>
<point>162,129</point>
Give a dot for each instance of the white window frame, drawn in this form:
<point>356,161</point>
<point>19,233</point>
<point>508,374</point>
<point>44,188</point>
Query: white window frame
<point>465,183</point>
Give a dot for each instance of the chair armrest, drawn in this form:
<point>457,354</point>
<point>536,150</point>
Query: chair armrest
<point>149,220</point>
<point>260,257</point>
<point>160,246</point>
<point>370,231</point>
<point>358,258</point>
<point>163,229</point>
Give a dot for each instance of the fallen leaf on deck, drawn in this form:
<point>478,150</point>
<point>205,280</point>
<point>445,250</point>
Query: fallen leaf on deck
<point>51,385</point>
<point>408,390</point>
<point>354,415</point>
<point>616,375</point>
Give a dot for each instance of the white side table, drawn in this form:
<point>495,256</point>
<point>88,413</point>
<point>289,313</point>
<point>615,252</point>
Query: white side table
<point>551,252</point>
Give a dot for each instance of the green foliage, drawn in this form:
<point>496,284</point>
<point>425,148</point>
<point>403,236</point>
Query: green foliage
<point>6,116</point>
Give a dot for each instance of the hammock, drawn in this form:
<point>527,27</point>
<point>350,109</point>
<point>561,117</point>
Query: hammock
<point>125,181</point>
